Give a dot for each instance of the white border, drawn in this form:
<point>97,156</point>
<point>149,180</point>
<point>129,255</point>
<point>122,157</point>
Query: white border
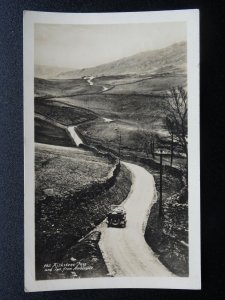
<point>191,17</point>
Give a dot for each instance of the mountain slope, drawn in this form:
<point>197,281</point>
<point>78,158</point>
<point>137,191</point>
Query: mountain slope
<point>172,58</point>
<point>48,72</point>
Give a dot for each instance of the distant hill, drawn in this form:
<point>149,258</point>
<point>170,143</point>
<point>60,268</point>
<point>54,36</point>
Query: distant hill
<point>169,59</point>
<point>48,72</point>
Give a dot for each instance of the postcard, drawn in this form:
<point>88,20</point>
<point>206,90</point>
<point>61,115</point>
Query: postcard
<point>111,141</point>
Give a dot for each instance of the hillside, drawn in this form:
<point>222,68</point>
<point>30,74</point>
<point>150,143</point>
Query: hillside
<point>172,58</point>
<point>64,209</point>
<point>132,98</point>
<point>47,72</point>
<point>66,169</point>
<point>62,113</point>
<point>55,87</point>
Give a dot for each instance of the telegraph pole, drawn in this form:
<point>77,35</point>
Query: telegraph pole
<point>160,189</point>
<point>171,151</point>
<point>119,144</point>
<point>119,133</point>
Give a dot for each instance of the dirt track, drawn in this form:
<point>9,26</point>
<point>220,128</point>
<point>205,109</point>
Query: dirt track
<point>125,250</point>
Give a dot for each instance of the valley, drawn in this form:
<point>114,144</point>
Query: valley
<point>116,112</point>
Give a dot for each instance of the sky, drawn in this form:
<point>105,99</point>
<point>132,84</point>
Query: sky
<point>82,46</point>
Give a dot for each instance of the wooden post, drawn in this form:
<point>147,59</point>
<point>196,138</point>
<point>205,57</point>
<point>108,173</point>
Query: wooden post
<point>160,189</point>
<point>171,150</point>
<point>153,149</point>
<point>119,143</point>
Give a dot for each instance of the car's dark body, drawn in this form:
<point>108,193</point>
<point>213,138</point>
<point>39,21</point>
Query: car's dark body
<point>116,217</point>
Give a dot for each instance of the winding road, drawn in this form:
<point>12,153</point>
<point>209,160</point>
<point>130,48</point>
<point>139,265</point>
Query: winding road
<point>125,250</point>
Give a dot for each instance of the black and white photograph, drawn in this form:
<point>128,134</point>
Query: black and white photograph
<point>111,110</point>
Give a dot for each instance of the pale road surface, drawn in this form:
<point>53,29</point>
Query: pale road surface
<point>77,140</point>
<point>107,120</point>
<point>125,250</point>
<point>104,89</point>
<point>89,79</point>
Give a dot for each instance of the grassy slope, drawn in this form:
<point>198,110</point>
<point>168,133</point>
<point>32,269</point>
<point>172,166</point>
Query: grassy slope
<point>63,113</point>
<point>61,222</point>
<point>58,87</point>
<point>154,85</point>
<point>133,108</point>
<point>172,252</point>
<point>138,102</point>
<point>65,171</point>
<point>116,79</point>
<point>50,134</point>
<point>108,135</point>
<point>85,253</point>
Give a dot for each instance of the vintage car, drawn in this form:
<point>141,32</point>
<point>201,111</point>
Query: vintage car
<point>117,216</point>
